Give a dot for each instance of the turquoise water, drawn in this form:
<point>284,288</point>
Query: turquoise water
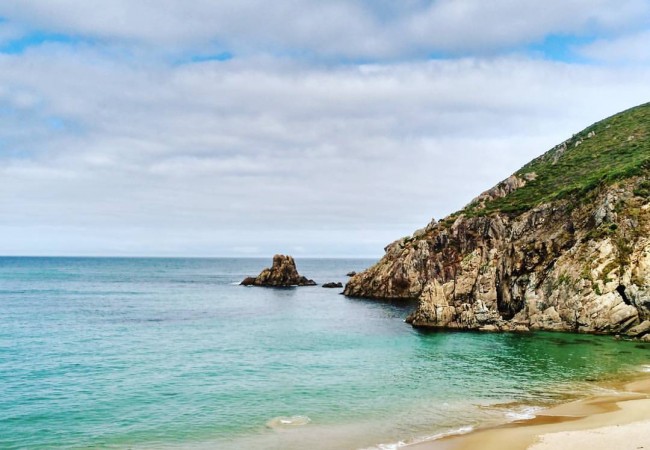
<point>152,353</point>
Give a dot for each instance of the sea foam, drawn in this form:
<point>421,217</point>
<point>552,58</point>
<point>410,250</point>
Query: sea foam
<point>433,437</point>
<point>287,422</point>
<point>526,413</point>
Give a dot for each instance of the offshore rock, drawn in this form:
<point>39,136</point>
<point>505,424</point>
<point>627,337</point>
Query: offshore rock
<point>569,262</point>
<point>333,285</point>
<point>282,273</point>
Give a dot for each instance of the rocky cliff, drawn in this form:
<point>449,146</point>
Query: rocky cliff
<point>563,244</point>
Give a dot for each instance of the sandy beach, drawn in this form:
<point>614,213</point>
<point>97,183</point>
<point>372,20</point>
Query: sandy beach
<point>619,420</point>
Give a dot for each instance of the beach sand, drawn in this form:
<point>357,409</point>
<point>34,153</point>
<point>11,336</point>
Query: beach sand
<point>616,421</point>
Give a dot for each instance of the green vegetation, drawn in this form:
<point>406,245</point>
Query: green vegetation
<point>564,279</point>
<point>449,220</point>
<point>597,289</point>
<point>643,190</point>
<point>586,274</point>
<point>614,265</point>
<point>603,231</point>
<point>604,153</point>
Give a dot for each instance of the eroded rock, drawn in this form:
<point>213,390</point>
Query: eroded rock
<point>558,266</point>
<point>282,273</point>
<point>639,330</point>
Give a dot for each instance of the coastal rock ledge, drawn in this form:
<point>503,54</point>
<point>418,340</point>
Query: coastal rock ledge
<point>563,244</point>
<point>282,273</point>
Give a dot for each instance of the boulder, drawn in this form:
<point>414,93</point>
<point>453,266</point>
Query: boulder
<point>639,330</point>
<point>333,285</point>
<point>350,274</point>
<point>248,281</point>
<point>282,273</point>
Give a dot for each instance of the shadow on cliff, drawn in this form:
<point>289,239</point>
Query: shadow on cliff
<point>398,308</point>
<point>408,304</point>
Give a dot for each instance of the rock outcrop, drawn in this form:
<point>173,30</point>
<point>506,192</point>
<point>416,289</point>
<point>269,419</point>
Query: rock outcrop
<point>333,285</point>
<point>576,258</point>
<point>282,273</point>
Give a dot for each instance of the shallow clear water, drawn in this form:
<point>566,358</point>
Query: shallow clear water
<point>150,353</point>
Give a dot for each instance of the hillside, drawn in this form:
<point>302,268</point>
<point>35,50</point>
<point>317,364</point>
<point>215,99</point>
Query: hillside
<point>614,149</point>
<point>562,244</point>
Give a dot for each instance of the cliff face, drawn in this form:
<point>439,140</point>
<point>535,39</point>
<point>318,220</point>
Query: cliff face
<point>564,244</point>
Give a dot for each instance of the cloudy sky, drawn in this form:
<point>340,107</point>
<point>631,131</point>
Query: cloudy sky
<point>247,127</point>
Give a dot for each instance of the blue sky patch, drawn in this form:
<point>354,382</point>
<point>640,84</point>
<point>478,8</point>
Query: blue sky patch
<point>561,47</point>
<point>222,56</point>
<point>35,39</point>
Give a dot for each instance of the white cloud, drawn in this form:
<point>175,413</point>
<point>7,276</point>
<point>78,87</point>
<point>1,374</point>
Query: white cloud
<point>263,153</point>
<point>475,25</point>
<point>108,148</point>
<point>357,29</point>
<point>634,48</point>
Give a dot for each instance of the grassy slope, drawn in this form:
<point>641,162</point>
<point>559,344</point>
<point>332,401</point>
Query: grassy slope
<point>620,149</point>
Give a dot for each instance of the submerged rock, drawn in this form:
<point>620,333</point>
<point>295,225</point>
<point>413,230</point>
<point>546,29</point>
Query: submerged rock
<point>282,273</point>
<point>333,285</point>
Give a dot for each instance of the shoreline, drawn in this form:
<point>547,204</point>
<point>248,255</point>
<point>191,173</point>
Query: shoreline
<point>620,419</point>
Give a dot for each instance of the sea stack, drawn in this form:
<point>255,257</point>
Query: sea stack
<point>282,273</point>
<point>563,244</point>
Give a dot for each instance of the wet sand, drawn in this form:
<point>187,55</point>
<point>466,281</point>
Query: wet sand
<point>620,420</point>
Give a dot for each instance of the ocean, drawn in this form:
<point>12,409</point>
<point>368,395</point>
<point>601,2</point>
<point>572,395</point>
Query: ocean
<point>172,353</point>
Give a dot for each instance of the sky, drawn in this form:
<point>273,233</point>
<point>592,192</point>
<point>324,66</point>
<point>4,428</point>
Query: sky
<point>322,129</point>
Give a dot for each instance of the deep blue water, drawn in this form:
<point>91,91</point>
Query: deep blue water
<point>151,353</point>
